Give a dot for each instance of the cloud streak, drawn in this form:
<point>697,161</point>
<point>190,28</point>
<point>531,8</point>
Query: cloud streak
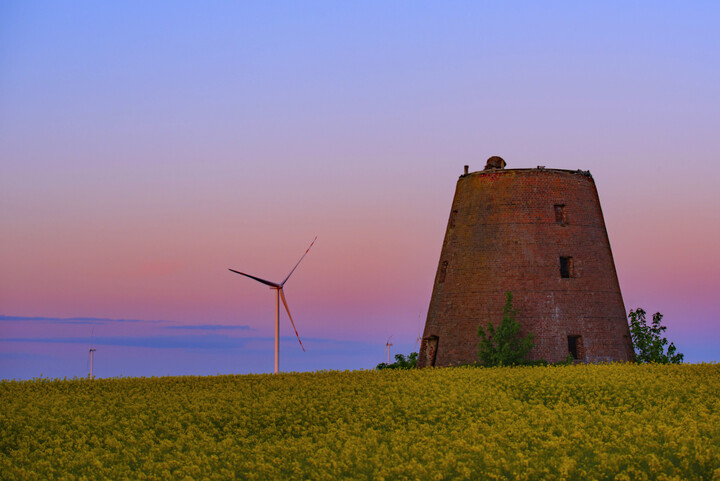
<point>73,320</point>
<point>158,342</point>
<point>209,327</point>
<point>107,321</point>
<point>192,341</point>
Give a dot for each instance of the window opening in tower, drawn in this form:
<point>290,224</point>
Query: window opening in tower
<point>566,267</point>
<point>560,217</point>
<point>453,214</point>
<point>443,271</point>
<point>575,346</point>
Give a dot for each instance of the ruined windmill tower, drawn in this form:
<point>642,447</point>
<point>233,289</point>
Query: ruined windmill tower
<point>540,234</point>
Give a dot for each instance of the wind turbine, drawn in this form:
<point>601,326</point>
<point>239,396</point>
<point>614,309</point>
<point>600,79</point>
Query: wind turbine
<point>91,353</point>
<point>387,349</point>
<point>418,340</point>
<point>279,294</point>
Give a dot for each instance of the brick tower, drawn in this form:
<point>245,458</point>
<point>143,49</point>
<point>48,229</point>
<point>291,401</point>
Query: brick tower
<point>540,234</point>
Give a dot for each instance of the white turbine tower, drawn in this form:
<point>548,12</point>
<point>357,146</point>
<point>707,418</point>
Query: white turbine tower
<point>278,295</point>
<point>91,353</point>
<point>387,349</point>
<point>418,340</point>
<point>92,358</point>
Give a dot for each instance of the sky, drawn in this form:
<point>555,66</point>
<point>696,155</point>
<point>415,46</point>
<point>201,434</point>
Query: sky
<point>147,147</point>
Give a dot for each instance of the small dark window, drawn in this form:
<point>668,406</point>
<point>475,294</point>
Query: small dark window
<point>575,347</point>
<point>560,214</point>
<point>566,267</point>
<point>443,271</point>
<point>453,214</point>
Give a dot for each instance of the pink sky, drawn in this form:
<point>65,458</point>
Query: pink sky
<point>144,150</point>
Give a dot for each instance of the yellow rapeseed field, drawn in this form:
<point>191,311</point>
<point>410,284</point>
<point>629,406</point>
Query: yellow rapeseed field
<point>625,422</point>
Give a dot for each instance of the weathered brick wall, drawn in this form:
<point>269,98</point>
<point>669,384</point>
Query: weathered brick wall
<point>504,234</point>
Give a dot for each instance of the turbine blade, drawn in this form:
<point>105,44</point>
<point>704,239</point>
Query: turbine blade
<point>298,262</point>
<point>282,294</point>
<point>268,283</point>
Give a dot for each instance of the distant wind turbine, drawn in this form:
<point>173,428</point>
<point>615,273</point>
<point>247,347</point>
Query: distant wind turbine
<point>280,294</point>
<point>91,353</point>
<point>387,349</point>
<point>418,340</point>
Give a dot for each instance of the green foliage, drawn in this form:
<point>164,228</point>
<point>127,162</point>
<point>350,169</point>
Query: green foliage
<point>648,341</point>
<point>401,362</point>
<point>568,361</point>
<point>503,346</point>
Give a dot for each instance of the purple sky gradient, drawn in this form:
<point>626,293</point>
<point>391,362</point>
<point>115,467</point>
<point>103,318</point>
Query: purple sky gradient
<point>146,148</point>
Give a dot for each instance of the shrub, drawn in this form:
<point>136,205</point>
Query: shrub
<point>401,362</point>
<point>504,346</point>
<point>648,342</point>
